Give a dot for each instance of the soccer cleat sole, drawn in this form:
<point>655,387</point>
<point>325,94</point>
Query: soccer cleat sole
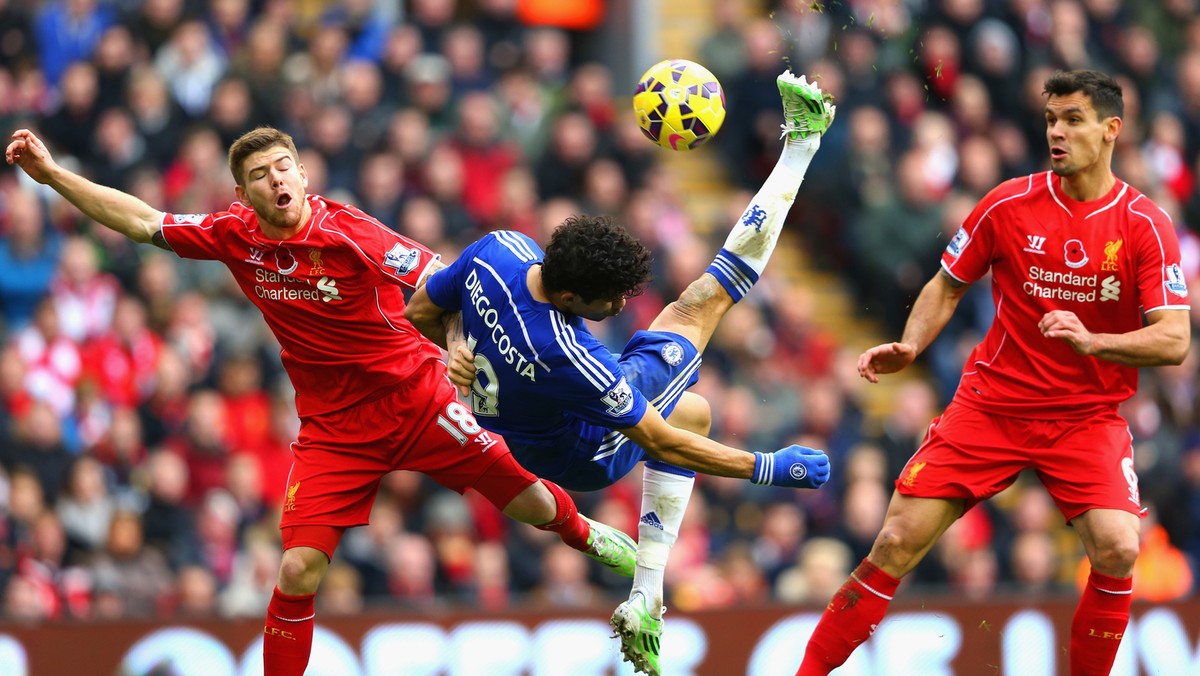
<point>628,627</point>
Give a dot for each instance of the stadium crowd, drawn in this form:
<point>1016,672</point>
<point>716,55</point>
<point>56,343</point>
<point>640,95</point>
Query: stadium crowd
<point>146,421</point>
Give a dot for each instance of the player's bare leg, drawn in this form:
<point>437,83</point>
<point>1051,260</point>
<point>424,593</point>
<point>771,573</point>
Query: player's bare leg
<point>807,113</point>
<point>1111,538</point>
<point>909,531</point>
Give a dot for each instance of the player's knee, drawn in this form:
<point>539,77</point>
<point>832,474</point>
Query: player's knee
<point>895,550</point>
<point>300,570</point>
<point>1115,558</point>
<point>700,306</point>
<point>702,298</point>
<point>693,413</point>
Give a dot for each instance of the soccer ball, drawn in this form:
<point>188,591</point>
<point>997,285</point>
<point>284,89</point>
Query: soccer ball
<point>679,104</point>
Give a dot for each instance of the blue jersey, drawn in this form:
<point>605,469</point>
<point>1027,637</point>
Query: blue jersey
<point>544,382</point>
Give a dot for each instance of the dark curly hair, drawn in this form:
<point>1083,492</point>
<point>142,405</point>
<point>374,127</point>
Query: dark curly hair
<point>595,258</point>
<point>1104,91</point>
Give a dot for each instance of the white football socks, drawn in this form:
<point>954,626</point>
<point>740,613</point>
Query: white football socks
<point>664,501</point>
<point>754,236</point>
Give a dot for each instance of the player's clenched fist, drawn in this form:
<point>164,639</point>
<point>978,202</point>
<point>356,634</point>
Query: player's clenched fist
<point>461,367</point>
<point>793,467</point>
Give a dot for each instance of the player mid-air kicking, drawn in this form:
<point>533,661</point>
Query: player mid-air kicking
<point>575,413</point>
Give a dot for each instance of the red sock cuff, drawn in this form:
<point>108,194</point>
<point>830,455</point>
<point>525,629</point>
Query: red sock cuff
<point>292,608</point>
<point>873,577</point>
<point>564,506</point>
<point>1112,585</point>
<point>567,523</point>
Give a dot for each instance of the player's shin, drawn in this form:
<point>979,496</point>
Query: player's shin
<point>567,522</point>
<point>287,634</point>
<point>665,496</point>
<point>1099,624</point>
<point>849,619</point>
<point>749,246</point>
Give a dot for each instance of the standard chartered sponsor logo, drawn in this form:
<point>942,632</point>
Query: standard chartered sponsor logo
<point>1070,286</point>
<point>274,286</point>
<point>499,337</point>
<point>1110,289</point>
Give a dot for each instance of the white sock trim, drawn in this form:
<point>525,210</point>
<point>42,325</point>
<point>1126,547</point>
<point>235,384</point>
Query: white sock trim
<point>288,619</point>
<point>869,588</point>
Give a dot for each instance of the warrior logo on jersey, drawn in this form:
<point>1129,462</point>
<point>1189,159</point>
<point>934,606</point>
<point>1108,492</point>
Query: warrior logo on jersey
<point>672,354</point>
<point>619,399</point>
<point>189,219</point>
<point>956,245</point>
<point>1176,283</point>
<point>1036,242</point>
<point>403,259</point>
<point>1074,254</point>
<point>285,262</point>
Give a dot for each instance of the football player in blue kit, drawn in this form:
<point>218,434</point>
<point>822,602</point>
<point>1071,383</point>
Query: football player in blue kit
<point>573,412</point>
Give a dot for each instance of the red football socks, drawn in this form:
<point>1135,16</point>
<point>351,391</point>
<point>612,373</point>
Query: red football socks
<point>849,619</point>
<point>567,523</point>
<point>288,634</point>
<point>1099,624</point>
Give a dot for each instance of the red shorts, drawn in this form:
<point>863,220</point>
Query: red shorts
<point>973,455</point>
<point>340,457</point>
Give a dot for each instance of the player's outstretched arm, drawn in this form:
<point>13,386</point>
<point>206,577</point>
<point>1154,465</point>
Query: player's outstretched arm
<point>794,466</point>
<point>929,315</point>
<point>111,208</point>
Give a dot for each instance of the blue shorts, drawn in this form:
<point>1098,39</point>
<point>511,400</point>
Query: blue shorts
<point>661,365</point>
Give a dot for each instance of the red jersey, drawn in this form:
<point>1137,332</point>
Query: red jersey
<point>332,294</point>
<point>1108,261</point>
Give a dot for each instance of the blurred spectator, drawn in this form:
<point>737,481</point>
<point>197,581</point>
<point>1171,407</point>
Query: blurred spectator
<point>114,59</point>
<point>229,23</point>
<point>72,124</point>
<point>67,32</point>
<point>192,64</point>
<point>17,45</point>
<point>564,580</point>
<point>341,592</point>
<point>86,507</point>
<point>823,564</point>
<point>138,575</point>
<point>195,593</point>
<point>157,116</point>
<point>155,21</point>
<point>233,109</point>
<point>254,575</point>
<point>169,523</point>
<point>485,156</point>
<point>121,362</point>
<point>37,445</point>
<point>29,254</point>
<point>260,65</point>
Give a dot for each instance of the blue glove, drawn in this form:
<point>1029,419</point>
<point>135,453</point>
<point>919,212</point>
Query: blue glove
<point>794,467</point>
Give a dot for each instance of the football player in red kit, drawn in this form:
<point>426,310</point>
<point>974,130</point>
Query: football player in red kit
<point>1088,287</point>
<point>371,392</point>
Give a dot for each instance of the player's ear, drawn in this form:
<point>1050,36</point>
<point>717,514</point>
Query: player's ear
<point>1113,129</point>
<point>303,175</point>
<point>242,197</point>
